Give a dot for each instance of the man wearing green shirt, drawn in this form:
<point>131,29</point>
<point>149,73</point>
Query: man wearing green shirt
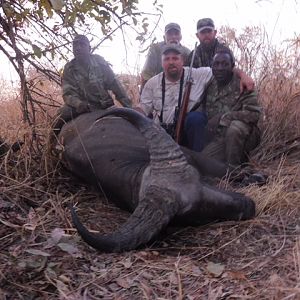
<point>209,44</point>
<point>232,115</point>
<point>86,82</point>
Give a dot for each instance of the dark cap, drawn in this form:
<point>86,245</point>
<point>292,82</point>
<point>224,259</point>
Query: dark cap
<point>172,48</point>
<point>81,38</point>
<point>172,26</point>
<point>205,23</point>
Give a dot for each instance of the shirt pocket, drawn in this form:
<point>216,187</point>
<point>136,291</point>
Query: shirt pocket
<point>95,85</point>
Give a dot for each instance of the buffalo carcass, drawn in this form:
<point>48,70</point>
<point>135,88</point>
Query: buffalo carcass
<point>139,166</point>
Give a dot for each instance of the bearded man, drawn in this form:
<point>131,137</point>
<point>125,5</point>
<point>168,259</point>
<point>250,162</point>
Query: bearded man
<point>162,95</point>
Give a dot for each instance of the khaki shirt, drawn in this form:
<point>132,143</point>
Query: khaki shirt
<point>151,97</point>
<point>91,84</point>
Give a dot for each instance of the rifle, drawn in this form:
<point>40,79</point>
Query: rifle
<point>185,101</point>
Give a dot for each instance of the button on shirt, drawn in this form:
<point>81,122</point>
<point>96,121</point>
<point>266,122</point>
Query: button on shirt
<point>151,98</point>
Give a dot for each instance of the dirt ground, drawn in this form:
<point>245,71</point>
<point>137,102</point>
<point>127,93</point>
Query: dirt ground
<point>42,257</point>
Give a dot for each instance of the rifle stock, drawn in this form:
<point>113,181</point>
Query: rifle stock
<point>182,112</point>
<point>185,102</point>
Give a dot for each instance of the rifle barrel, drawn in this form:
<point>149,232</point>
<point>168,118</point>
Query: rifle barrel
<point>185,101</point>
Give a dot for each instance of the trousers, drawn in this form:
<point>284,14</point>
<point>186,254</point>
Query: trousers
<point>194,130</point>
<point>234,144</point>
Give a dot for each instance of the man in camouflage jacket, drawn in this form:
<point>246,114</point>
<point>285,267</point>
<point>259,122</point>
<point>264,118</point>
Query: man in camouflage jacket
<point>232,115</point>
<point>209,44</point>
<point>86,82</point>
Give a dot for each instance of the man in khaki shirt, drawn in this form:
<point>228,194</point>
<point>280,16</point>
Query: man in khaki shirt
<point>153,65</point>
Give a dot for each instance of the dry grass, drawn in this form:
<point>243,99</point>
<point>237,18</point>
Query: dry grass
<point>42,257</point>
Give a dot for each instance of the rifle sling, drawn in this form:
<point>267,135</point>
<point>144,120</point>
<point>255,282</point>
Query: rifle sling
<point>163,93</point>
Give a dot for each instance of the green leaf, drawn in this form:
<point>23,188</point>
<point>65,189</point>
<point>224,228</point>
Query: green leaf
<point>46,5</point>
<point>37,51</point>
<point>57,4</point>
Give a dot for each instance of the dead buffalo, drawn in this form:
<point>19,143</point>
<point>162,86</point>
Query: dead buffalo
<point>140,167</point>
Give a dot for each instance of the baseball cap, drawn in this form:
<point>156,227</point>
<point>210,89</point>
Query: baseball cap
<point>205,23</point>
<point>81,38</point>
<point>171,48</point>
<point>172,26</point>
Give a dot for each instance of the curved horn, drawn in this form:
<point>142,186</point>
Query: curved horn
<point>151,215</point>
<point>164,152</point>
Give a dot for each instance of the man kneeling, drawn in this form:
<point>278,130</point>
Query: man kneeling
<point>232,130</point>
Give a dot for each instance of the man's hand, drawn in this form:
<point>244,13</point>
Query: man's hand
<point>246,83</point>
<point>226,120</point>
<point>83,107</point>
<point>213,123</point>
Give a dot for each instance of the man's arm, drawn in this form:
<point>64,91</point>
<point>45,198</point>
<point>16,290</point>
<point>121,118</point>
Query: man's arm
<point>120,93</point>
<point>247,110</point>
<point>71,92</point>
<point>246,82</point>
<point>113,84</point>
<point>146,100</point>
<point>152,64</point>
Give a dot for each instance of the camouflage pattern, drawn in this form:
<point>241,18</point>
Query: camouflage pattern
<point>153,65</point>
<point>236,131</point>
<point>204,57</point>
<point>92,84</point>
<point>87,84</point>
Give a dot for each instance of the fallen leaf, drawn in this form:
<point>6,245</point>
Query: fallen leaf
<point>71,249</point>
<point>114,287</point>
<point>196,270</point>
<point>215,269</point>
<point>33,263</point>
<point>127,263</point>
<point>56,236</point>
<point>64,279</point>
<point>173,278</point>
<point>275,279</point>
<point>236,275</point>
<point>124,282</point>
<point>37,252</point>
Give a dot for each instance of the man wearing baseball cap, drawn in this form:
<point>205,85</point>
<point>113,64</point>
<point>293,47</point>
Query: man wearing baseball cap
<point>152,64</point>
<point>164,92</point>
<point>209,45</point>
<point>162,96</point>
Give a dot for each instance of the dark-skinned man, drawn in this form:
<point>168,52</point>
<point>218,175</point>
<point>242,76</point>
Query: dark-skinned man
<point>86,82</point>
<point>163,93</point>
<point>232,115</point>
